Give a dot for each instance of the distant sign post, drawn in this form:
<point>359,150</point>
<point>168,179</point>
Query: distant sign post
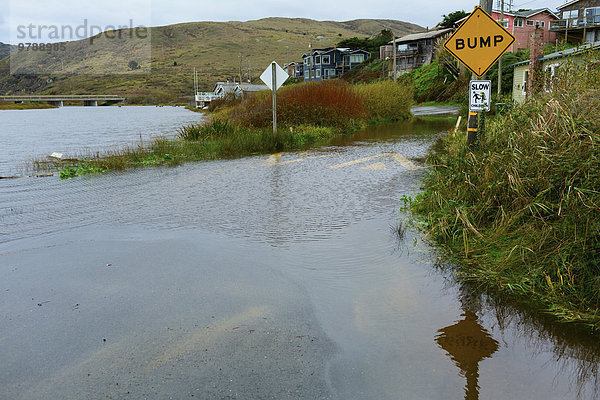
<point>479,42</point>
<point>274,76</point>
<point>480,93</point>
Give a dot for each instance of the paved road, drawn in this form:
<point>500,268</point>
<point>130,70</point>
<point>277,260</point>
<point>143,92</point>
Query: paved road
<point>434,110</point>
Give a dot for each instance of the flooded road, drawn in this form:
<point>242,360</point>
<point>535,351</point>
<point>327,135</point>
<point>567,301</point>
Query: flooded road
<point>277,276</point>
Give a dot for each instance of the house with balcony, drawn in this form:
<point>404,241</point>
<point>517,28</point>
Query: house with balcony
<point>414,50</point>
<point>579,22</point>
<point>522,23</point>
<point>331,63</point>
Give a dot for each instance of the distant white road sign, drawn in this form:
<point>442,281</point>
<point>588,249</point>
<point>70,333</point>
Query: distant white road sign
<point>480,95</point>
<point>280,76</point>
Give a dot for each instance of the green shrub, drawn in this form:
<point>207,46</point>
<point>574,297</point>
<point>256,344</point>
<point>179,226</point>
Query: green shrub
<point>387,100</point>
<point>214,129</point>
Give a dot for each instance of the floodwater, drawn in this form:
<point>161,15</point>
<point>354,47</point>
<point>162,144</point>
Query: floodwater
<point>277,276</point>
<point>74,131</point>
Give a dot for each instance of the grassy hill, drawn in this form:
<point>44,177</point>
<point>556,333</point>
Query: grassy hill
<point>165,73</point>
<point>4,50</point>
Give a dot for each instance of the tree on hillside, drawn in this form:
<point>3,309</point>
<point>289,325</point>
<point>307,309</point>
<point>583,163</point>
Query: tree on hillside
<point>449,20</point>
<point>372,45</point>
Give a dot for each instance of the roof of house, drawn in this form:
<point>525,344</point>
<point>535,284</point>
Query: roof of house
<point>340,49</point>
<point>565,53</point>
<point>252,87</point>
<point>568,4</point>
<point>519,14</point>
<point>422,35</point>
<point>530,13</point>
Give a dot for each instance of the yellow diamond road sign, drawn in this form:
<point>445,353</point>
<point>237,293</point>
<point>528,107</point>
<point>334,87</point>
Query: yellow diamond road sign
<point>479,42</point>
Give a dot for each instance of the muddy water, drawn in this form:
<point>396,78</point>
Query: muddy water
<point>263,277</point>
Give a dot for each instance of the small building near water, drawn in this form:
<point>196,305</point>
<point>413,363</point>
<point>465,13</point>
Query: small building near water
<point>223,89</point>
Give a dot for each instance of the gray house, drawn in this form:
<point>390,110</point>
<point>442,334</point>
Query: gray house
<point>580,21</point>
<point>331,63</point>
<point>414,50</point>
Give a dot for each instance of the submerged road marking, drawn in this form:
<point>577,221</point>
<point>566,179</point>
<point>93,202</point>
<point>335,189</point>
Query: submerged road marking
<point>405,162</point>
<point>273,160</point>
<point>376,167</point>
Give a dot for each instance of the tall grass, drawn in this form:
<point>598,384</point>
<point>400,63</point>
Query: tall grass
<point>331,103</point>
<point>522,210</point>
<point>386,100</point>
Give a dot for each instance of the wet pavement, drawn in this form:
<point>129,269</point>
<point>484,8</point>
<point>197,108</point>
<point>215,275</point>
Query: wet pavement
<point>270,277</point>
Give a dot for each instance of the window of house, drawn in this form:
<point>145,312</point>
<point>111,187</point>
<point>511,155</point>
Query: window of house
<point>504,23</point>
<point>402,47</point>
<point>529,22</point>
<point>409,60</point>
<point>427,42</point>
<point>592,15</point>
<point>356,58</point>
<point>306,75</point>
<point>518,23</point>
<point>570,14</point>
<point>332,72</point>
<point>543,24</point>
<point>317,60</point>
<point>326,59</point>
<point>318,73</point>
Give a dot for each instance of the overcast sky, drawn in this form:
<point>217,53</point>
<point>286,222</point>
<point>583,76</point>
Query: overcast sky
<point>104,13</point>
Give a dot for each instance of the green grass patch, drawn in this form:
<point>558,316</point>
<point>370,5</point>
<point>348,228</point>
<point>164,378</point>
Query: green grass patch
<point>25,106</point>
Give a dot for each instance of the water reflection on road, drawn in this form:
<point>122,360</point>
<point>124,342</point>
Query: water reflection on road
<point>262,277</point>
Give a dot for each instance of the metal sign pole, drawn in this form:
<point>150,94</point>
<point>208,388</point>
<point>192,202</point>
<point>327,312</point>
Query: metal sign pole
<point>274,74</point>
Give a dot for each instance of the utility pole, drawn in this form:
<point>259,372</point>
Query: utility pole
<point>241,67</point>
<point>394,54</point>
<point>500,60</point>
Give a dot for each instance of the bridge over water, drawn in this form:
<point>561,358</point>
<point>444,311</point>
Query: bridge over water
<point>58,100</point>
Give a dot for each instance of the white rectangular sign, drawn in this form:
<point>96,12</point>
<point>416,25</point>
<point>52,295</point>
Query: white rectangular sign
<point>480,95</point>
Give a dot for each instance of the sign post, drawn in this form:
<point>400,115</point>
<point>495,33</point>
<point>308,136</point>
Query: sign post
<point>274,76</point>
<point>478,43</point>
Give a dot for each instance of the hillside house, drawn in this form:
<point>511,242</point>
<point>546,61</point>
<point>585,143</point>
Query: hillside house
<point>579,21</point>
<point>294,69</point>
<point>414,50</point>
<point>551,64</point>
<point>331,63</point>
<point>522,23</point>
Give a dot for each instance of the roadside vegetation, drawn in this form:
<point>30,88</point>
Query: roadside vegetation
<point>520,211</point>
<point>25,106</point>
<point>308,114</point>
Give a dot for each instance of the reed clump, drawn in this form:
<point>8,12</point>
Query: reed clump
<point>387,100</point>
<point>521,210</point>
